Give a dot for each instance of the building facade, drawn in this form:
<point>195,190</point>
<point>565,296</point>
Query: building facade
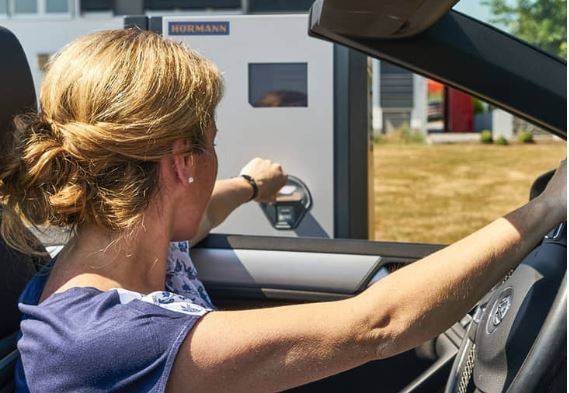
<point>399,98</point>
<point>64,20</point>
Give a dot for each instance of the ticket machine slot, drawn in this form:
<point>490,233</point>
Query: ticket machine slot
<point>291,205</point>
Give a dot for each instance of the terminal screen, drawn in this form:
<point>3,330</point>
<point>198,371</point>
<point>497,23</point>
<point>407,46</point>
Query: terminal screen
<point>278,85</point>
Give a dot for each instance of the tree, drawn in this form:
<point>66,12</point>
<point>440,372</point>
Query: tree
<point>539,22</point>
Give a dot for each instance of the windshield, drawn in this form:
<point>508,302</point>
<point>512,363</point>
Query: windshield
<point>539,22</point>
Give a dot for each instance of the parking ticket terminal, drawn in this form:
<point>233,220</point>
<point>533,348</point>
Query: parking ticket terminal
<point>296,100</point>
<point>292,203</point>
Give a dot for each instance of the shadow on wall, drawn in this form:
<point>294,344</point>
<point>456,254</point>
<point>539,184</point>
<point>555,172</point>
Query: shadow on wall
<point>309,227</point>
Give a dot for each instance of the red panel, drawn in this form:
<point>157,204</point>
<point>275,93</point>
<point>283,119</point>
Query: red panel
<point>459,111</point>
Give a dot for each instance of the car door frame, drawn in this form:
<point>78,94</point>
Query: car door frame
<point>476,58</point>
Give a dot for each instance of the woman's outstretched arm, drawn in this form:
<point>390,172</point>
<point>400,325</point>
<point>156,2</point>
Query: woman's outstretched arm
<point>229,194</point>
<point>278,348</point>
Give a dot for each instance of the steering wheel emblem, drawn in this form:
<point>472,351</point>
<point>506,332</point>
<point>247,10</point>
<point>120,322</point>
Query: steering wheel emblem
<point>499,310</point>
<point>502,309</point>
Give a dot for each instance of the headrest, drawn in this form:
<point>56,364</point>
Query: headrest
<point>17,94</point>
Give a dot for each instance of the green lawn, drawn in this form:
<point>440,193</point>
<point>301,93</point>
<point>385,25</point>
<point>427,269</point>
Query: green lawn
<point>441,193</point>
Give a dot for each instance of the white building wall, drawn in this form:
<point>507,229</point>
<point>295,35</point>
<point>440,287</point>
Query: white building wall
<point>46,35</point>
<point>420,104</point>
<point>502,124</point>
<point>377,114</point>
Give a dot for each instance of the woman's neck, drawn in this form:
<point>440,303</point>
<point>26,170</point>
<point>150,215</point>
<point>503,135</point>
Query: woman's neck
<point>99,259</point>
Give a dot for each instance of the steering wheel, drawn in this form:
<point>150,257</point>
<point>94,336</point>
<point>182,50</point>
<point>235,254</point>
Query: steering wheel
<point>518,331</point>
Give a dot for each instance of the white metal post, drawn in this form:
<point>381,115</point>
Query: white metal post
<point>375,97</point>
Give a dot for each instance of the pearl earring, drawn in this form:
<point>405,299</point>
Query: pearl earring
<point>190,179</point>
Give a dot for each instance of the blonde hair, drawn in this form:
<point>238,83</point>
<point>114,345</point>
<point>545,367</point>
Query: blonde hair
<point>111,105</point>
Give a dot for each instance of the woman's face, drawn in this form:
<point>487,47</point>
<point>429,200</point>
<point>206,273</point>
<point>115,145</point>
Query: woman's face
<point>195,195</point>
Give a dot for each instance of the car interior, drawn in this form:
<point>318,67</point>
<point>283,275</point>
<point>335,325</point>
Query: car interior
<point>523,352</point>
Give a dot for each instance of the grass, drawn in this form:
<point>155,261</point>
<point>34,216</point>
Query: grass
<point>403,136</point>
<point>441,193</point>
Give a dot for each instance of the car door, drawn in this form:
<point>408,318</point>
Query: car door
<point>258,271</point>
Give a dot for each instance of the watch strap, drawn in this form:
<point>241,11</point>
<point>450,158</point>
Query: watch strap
<point>253,184</point>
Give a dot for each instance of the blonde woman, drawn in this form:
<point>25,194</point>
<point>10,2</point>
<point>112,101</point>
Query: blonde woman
<point>123,152</point>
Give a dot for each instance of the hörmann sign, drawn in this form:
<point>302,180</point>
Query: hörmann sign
<point>198,28</point>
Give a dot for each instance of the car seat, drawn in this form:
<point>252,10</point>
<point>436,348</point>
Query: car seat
<point>17,95</point>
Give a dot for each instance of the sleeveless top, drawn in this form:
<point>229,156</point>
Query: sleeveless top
<point>88,340</point>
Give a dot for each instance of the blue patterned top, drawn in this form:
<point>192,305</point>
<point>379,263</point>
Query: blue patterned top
<point>182,276</point>
<point>87,340</point>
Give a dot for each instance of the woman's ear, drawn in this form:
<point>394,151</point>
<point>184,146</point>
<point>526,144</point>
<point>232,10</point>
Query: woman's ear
<point>182,164</point>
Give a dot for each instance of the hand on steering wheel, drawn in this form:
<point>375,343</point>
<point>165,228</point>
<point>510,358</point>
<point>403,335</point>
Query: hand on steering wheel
<point>518,331</point>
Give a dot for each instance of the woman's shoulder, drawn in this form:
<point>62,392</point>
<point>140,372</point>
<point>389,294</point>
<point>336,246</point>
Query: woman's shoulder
<point>94,335</point>
<point>92,304</point>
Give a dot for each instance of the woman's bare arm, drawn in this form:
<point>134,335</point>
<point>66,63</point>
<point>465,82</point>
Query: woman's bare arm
<point>278,348</point>
<point>229,194</point>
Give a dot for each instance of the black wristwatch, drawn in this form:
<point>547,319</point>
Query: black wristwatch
<point>253,184</point>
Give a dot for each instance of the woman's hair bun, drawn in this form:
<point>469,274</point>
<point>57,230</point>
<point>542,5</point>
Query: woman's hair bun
<point>90,155</point>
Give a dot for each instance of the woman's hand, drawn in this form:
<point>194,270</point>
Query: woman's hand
<point>555,194</point>
<point>269,176</point>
